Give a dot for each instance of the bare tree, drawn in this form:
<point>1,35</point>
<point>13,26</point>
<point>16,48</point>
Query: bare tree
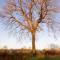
<point>30,14</point>
<point>54,46</point>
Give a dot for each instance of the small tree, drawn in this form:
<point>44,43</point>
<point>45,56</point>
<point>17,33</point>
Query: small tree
<point>31,14</point>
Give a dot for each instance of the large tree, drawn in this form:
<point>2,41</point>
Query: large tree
<point>30,14</point>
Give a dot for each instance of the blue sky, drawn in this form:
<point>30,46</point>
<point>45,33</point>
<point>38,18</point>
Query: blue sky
<point>43,38</point>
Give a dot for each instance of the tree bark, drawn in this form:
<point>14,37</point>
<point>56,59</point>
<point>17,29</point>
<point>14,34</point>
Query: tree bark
<point>33,42</point>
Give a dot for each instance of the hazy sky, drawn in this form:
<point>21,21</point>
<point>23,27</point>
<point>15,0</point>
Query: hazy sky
<point>43,38</point>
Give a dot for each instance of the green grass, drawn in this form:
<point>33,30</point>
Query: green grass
<point>36,58</point>
<point>45,58</point>
<point>33,58</point>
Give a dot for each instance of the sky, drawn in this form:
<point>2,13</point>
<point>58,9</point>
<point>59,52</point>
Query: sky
<point>43,38</point>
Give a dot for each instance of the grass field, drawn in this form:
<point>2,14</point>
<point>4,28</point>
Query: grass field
<point>45,58</point>
<point>15,57</point>
<point>28,55</point>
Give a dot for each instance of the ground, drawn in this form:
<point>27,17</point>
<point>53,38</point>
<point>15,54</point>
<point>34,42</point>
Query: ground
<point>24,54</point>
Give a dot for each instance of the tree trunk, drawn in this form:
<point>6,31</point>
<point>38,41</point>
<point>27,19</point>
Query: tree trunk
<point>33,42</point>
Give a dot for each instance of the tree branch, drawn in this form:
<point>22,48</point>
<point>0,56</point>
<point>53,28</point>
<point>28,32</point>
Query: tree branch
<point>16,20</point>
<point>28,20</point>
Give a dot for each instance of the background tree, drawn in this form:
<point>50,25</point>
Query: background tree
<point>54,46</point>
<point>28,14</point>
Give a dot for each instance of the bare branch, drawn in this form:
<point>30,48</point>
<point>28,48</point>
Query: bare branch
<point>16,20</point>
<point>28,20</point>
<point>43,13</point>
<point>30,5</point>
<point>43,10</point>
